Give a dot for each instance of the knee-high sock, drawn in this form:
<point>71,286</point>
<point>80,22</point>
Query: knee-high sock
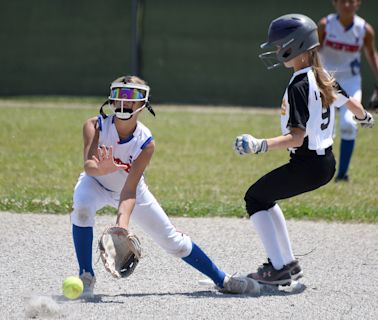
<point>266,230</point>
<point>83,238</point>
<point>282,234</point>
<point>346,151</point>
<point>199,260</point>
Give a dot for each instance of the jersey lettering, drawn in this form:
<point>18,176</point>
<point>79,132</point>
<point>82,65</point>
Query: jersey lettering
<point>342,46</point>
<point>119,161</point>
<point>341,50</point>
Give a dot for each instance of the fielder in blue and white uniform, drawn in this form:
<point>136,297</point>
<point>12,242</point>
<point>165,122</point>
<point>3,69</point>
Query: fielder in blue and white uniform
<point>343,35</point>
<point>117,150</point>
<point>307,119</point>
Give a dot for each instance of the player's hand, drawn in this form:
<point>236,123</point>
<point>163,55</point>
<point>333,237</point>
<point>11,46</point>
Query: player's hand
<point>367,122</point>
<point>105,161</point>
<point>246,144</point>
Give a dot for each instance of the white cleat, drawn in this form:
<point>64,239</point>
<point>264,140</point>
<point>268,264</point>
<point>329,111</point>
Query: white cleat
<point>89,283</point>
<point>240,285</point>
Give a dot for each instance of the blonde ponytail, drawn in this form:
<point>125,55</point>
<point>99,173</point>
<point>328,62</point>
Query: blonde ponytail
<point>325,81</point>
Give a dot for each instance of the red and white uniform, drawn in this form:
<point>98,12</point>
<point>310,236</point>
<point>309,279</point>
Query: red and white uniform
<point>341,49</point>
<point>341,56</point>
<point>93,193</point>
<point>124,152</point>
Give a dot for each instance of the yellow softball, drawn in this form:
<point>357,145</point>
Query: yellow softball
<point>72,287</point>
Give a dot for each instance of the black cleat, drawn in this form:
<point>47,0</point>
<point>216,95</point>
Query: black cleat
<point>266,274</point>
<point>342,179</point>
<point>295,270</point>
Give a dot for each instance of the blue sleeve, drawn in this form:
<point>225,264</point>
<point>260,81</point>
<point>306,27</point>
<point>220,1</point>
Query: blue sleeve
<point>146,142</point>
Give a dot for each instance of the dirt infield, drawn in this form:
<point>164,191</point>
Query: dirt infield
<point>340,263</point>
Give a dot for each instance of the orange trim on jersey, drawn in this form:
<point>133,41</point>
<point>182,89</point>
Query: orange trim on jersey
<point>342,46</point>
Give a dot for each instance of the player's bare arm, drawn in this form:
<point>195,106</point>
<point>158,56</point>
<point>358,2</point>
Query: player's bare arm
<point>246,144</point>
<point>128,193</point>
<point>90,139</point>
<point>356,107</point>
<point>360,114</point>
<point>321,30</point>
<point>292,140</point>
<point>370,49</point>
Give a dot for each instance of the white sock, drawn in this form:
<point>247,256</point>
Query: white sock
<point>265,229</point>
<point>282,234</point>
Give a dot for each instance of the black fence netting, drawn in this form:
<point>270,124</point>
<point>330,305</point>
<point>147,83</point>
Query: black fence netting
<point>192,52</point>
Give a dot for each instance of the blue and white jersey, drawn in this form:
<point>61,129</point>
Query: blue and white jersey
<point>302,108</point>
<point>124,152</point>
<point>341,49</point>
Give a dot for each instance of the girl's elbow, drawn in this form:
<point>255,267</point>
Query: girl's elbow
<point>298,141</point>
<point>129,192</point>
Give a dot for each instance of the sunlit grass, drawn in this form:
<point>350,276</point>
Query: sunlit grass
<point>194,171</point>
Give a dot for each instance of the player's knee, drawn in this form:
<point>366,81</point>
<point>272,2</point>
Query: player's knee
<point>253,205</point>
<point>83,215</point>
<point>348,130</point>
<point>180,245</point>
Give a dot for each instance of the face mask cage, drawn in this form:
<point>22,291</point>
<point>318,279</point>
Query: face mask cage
<point>121,94</point>
<point>270,60</point>
<point>283,52</point>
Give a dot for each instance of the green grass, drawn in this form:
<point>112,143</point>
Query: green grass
<point>194,171</point>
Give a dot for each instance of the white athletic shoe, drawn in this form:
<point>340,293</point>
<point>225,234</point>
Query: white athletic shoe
<point>240,285</point>
<point>89,283</point>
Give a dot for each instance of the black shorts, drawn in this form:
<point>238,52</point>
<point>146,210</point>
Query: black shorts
<point>303,173</point>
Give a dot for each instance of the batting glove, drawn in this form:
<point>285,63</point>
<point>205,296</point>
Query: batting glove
<point>246,144</point>
<point>367,122</point>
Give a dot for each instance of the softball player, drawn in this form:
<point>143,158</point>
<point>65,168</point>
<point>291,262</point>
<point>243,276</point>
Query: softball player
<point>117,150</point>
<point>307,118</point>
<point>342,36</point>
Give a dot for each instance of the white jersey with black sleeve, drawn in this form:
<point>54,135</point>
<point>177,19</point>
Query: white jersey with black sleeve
<point>124,152</point>
<point>302,108</point>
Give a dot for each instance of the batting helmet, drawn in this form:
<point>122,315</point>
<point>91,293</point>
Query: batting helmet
<point>291,35</point>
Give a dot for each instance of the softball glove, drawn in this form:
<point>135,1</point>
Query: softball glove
<point>120,251</point>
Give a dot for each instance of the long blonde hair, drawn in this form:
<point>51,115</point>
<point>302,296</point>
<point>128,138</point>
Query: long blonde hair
<point>325,81</point>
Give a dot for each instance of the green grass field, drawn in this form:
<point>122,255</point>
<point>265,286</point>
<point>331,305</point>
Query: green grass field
<point>194,171</point>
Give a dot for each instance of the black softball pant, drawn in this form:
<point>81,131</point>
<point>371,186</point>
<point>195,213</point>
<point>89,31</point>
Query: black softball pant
<point>303,173</point>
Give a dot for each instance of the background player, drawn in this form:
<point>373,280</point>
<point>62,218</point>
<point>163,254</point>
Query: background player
<point>342,37</point>
<point>117,149</point>
<point>307,119</point>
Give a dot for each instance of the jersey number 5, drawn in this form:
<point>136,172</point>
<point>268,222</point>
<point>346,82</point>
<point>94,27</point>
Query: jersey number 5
<point>326,115</point>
